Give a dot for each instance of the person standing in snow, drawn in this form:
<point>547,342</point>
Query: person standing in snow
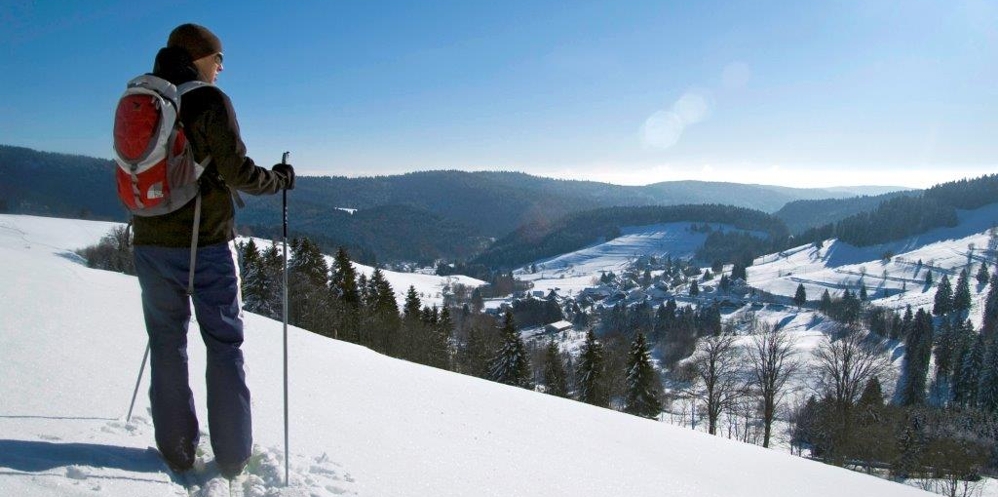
<point>162,248</point>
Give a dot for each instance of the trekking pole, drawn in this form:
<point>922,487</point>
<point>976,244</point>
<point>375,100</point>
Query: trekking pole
<point>137,382</point>
<point>284,160</point>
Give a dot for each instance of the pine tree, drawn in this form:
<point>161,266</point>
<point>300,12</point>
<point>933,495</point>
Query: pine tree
<point>344,278</point>
<point>411,308</point>
<point>554,371</point>
<point>511,366</point>
<point>928,278</point>
<point>990,326</point>
<point>307,278</point>
<point>873,394</point>
<point>907,323</point>
<point>982,274</point>
<point>965,387</point>
<point>382,315</point>
<point>987,389</point>
<point>738,271</point>
<point>694,289</point>
<point>850,307</point>
<point>411,341</point>
<point>862,293</point>
<point>345,293</point>
<point>643,385</point>
<point>363,290</point>
<point>665,319</point>
<point>441,350</point>
<point>307,261</point>
<point>255,281</point>
<point>826,302</point>
<point>429,315</point>
<point>589,373</point>
<point>943,303</point>
<point>945,350</point>
<point>915,367</point>
<point>476,352</point>
<point>477,302</point>
<point>725,283</point>
<point>961,297</point>
<point>800,298</point>
<point>273,269</point>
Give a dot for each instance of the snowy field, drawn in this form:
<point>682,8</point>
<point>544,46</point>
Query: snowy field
<point>572,272</point>
<point>361,424</point>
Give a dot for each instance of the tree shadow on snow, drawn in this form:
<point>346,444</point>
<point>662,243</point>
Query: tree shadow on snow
<point>36,456</point>
<point>73,257</point>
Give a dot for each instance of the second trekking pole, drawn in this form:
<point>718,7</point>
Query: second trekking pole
<point>284,160</point>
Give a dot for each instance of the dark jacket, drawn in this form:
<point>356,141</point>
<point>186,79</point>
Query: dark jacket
<point>210,126</point>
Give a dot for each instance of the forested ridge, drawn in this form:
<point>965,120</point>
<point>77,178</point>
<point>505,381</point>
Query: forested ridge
<point>453,215</point>
<point>802,215</point>
<point>903,216</point>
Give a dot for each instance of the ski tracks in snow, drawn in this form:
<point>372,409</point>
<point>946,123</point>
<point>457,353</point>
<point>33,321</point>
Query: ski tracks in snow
<point>310,475</point>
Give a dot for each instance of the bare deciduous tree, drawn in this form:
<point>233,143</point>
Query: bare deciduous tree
<point>715,365</point>
<point>773,362</point>
<point>846,363</point>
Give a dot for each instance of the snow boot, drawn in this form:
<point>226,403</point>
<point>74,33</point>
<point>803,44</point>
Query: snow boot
<point>231,471</point>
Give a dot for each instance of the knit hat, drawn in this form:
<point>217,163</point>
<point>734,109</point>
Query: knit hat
<point>196,40</point>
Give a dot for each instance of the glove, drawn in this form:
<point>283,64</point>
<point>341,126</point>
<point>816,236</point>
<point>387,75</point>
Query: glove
<point>286,173</point>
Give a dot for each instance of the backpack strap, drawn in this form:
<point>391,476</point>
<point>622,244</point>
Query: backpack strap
<point>190,85</point>
<point>193,85</point>
<point>194,242</point>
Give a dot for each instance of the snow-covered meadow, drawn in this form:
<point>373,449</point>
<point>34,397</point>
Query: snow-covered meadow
<point>71,341</point>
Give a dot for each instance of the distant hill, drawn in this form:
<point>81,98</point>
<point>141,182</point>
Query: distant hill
<point>418,216</point>
<point>57,185</point>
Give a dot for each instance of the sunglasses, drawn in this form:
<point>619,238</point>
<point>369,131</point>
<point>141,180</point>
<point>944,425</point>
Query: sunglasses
<point>219,57</point>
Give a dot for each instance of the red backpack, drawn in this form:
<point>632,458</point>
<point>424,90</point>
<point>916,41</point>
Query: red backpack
<point>157,173</point>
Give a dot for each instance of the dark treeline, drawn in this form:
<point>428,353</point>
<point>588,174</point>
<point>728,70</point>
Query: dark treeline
<point>736,247</point>
<point>671,331</point>
<point>337,302</point>
<point>537,241</point>
<point>966,193</point>
<point>801,215</point>
<point>908,215</point>
<point>382,233</point>
<point>29,184</point>
<point>950,445</point>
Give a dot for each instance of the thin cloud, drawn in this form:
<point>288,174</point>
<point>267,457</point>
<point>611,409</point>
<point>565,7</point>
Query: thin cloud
<point>664,128</point>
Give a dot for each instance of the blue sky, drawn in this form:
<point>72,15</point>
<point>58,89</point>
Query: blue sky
<point>775,92</point>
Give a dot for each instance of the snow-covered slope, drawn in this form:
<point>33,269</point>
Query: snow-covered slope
<point>71,340</point>
<point>893,282</point>
<point>574,271</point>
